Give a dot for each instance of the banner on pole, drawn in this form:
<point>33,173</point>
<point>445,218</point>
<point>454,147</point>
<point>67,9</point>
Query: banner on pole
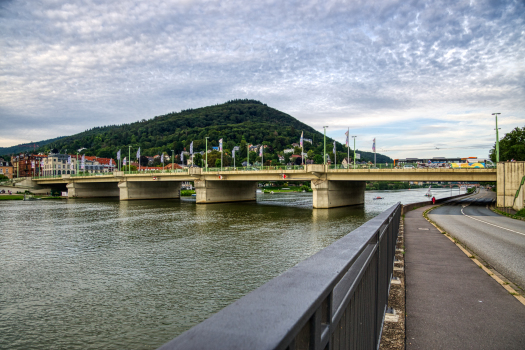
<point>118,155</point>
<point>374,145</point>
<point>301,141</point>
<point>347,136</point>
<point>220,145</point>
<point>191,147</point>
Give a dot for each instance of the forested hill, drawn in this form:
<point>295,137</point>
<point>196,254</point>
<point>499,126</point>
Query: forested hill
<point>236,122</point>
<point>26,147</point>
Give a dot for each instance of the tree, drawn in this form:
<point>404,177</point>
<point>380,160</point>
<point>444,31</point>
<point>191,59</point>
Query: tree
<point>144,161</point>
<point>318,159</point>
<point>511,146</point>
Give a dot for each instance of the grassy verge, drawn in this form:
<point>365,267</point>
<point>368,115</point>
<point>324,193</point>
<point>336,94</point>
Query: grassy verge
<point>186,193</point>
<point>8,197</point>
<point>520,215</point>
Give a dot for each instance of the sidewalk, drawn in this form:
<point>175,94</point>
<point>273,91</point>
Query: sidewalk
<point>451,303</point>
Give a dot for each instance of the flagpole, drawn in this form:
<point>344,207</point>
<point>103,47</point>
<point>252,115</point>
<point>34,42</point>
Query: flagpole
<point>206,153</point>
<point>375,152</point>
<point>348,149</point>
<point>262,156</point>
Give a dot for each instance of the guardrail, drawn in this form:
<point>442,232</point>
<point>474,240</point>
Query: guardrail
<point>336,299</point>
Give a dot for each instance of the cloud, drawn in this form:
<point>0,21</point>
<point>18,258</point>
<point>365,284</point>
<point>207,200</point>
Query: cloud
<point>369,65</point>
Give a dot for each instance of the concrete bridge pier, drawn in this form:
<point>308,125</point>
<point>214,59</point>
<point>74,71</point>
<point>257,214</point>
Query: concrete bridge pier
<point>511,182</point>
<point>92,190</point>
<point>331,194</point>
<point>130,190</point>
<point>225,191</point>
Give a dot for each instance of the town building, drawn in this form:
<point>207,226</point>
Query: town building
<point>27,165</point>
<point>6,169</point>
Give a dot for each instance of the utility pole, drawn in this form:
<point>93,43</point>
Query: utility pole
<point>324,155</point>
<point>497,137</point>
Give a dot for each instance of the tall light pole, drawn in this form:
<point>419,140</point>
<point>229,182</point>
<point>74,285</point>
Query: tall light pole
<point>172,160</point>
<point>497,137</point>
<point>354,149</point>
<point>206,151</point>
<point>324,156</point>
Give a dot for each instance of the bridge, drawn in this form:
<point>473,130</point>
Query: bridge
<point>332,187</point>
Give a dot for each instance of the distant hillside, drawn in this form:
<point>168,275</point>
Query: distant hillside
<point>236,122</point>
<point>27,147</point>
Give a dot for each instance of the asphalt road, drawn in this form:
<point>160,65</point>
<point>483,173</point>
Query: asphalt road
<point>497,239</point>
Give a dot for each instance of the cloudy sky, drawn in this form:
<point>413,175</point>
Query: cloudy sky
<point>423,77</point>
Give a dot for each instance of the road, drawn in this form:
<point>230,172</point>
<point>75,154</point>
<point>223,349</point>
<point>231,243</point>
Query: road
<point>498,240</point>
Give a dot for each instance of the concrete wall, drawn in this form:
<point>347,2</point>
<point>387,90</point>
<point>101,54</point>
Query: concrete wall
<point>130,190</point>
<point>225,191</point>
<point>92,190</point>
<point>510,175</point>
<point>330,194</point>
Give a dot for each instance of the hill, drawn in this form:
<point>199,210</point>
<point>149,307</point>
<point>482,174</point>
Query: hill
<point>27,147</point>
<point>237,122</point>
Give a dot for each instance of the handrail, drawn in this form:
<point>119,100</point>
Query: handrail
<point>339,293</point>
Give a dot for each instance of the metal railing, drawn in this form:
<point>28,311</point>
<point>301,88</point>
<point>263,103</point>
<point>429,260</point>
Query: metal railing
<point>255,168</point>
<point>336,299</point>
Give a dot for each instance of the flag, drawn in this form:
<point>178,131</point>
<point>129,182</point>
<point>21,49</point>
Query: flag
<point>233,153</point>
<point>347,133</point>
<point>111,162</point>
<point>374,145</point>
<point>138,154</point>
<point>118,155</point>
<point>301,141</point>
<point>32,164</point>
<point>261,151</point>
<point>68,159</point>
<point>124,161</point>
<point>334,147</point>
<point>83,164</point>
<point>162,158</point>
<point>220,145</point>
<point>191,147</point>
<point>42,163</point>
<point>181,157</point>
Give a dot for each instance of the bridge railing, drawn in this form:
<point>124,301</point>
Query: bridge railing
<point>336,299</point>
<point>255,168</point>
<point>167,171</point>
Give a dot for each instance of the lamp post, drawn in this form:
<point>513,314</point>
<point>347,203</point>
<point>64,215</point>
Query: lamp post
<point>172,160</point>
<point>497,137</point>
<point>206,152</point>
<point>354,149</point>
<point>324,155</point>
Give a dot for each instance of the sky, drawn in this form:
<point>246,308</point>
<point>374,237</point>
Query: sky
<point>422,77</point>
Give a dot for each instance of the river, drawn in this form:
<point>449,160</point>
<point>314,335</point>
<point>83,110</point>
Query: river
<point>93,274</point>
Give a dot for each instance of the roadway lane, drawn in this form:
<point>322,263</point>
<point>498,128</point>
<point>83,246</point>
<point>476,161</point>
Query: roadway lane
<point>498,240</point>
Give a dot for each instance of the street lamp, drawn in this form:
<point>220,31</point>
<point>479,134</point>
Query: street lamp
<point>172,160</point>
<point>354,149</point>
<point>206,152</point>
<point>497,137</point>
<point>324,156</point>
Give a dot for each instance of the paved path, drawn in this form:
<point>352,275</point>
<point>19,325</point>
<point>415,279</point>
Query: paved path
<point>497,239</point>
<point>450,302</point>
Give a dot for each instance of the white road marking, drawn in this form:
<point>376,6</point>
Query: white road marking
<point>488,223</point>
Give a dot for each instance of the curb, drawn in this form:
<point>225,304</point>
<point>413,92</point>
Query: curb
<point>491,273</point>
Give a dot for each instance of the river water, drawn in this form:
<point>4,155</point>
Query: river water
<point>105,274</point>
